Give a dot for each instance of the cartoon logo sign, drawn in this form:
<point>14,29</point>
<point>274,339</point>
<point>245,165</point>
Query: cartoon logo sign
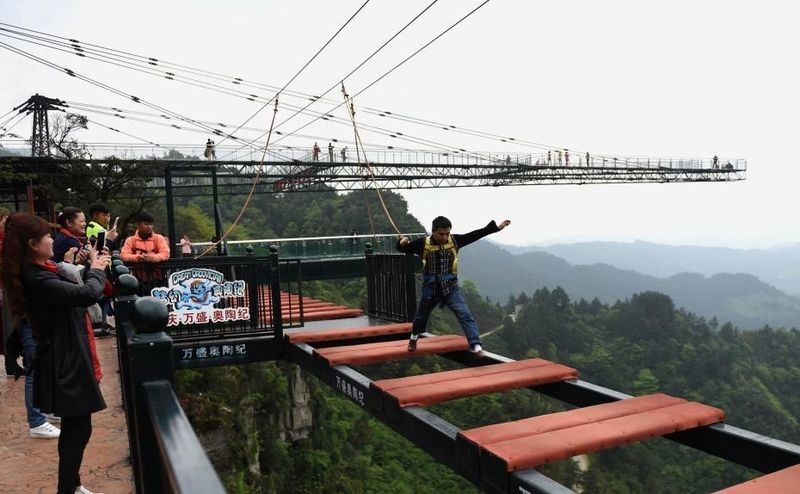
<point>193,294</point>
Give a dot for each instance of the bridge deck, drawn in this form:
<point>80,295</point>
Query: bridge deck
<point>31,465</point>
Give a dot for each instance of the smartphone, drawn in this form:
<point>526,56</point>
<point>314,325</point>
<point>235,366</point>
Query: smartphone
<point>114,226</point>
<point>100,243</point>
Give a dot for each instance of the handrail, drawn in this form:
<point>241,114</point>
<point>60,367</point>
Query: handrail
<point>307,239</point>
<point>187,468</point>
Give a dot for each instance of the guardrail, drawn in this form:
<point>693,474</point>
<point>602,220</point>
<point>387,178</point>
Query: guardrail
<point>544,157</point>
<point>166,454</point>
<point>308,247</point>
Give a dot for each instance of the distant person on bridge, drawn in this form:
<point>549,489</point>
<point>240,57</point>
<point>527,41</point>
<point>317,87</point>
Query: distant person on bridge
<point>715,162</point>
<point>343,152</point>
<point>211,153</point>
<point>66,370</point>
<point>439,254</point>
<point>330,152</point>
<point>315,152</point>
<point>186,246</point>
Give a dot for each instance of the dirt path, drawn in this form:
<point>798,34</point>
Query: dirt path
<point>31,465</point>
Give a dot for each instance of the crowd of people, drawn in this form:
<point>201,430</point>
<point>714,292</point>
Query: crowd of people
<point>56,300</point>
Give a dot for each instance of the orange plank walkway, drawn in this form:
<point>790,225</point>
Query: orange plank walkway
<point>30,465</point>
<point>429,389</point>
<point>786,480</point>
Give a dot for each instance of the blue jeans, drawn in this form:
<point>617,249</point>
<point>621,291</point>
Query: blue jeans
<point>35,417</point>
<point>456,302</point>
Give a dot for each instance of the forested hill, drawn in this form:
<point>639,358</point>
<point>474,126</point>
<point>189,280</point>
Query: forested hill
<point>741,299</point>
<point>779,266</point>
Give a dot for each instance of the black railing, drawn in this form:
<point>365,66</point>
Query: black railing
<point>391,286</point>
<point>166,454</point>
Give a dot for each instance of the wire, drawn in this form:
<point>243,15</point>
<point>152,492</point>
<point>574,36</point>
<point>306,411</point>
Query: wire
<point>393,68</point>
<point>252,190</point>
<point>81,49</point>
<point>302,68</point>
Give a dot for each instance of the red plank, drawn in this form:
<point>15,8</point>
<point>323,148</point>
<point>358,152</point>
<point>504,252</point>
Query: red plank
<point>403,382</point>
<point>391,350</point>
<point>489,382</point>
<point>531,451</point>
<point>347,333</point>
<point>562,420</point>
<point>786,480</point>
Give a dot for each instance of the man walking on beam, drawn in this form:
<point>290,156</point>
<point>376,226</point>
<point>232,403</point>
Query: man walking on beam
<point>439,254</point>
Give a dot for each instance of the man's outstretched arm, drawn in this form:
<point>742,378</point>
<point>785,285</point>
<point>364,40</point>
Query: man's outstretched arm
<point>468,238</point>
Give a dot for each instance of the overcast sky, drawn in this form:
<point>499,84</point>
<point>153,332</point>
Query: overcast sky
<point>679,78</point>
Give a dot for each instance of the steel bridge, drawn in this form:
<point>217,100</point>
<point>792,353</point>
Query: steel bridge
<point>401,170</point>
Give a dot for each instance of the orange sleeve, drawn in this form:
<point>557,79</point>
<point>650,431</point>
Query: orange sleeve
<point>163,248</point>
<point>126,253</point>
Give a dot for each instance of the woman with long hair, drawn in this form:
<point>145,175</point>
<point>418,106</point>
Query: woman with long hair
<point>66,369</point>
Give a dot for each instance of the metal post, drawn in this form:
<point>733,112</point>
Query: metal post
<point>275,285</point>
<point>370,278</point>
<point>215,196</point>
<point>411,288</point>
<point>170,212</point>
<point>150,360</point>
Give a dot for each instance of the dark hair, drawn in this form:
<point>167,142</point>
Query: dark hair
<point>145,217</point>
<point>98,207</point>
<point>441,222</point>
<point>20,228</point>
<point>69,213</point>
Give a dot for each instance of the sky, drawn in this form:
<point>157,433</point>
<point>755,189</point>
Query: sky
<point>679,78</point>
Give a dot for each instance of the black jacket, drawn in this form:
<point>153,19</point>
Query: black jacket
<point>64,379</point>
<point>462,240</point>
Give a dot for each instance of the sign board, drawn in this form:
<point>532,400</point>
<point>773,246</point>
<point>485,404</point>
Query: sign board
<point>202,296</point>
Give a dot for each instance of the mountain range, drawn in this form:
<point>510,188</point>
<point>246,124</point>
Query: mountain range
<point>743,299</point>
<point>779,266</point>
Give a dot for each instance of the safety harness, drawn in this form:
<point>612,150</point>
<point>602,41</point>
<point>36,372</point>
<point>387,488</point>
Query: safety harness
<point>450,246</point>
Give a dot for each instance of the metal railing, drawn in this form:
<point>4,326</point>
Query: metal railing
<point>308,247</point>
<point>551,157</point>
<point>166,454</point>
<point>391,286</point>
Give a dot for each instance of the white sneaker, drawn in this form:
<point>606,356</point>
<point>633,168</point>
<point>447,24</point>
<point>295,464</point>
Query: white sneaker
<point>46,431</point>
<point>52,418</point>
<point>83,490</point>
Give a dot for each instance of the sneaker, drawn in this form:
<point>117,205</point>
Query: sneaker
<point>46,431</point>
<point>52,418</point>
<point>412,344</point>
<point>477,350</point>
<point>83,490</point>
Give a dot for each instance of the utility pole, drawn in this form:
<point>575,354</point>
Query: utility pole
<point>40,137</point>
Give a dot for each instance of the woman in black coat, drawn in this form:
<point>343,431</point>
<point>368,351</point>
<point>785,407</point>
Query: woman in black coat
<point>67,372</point>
